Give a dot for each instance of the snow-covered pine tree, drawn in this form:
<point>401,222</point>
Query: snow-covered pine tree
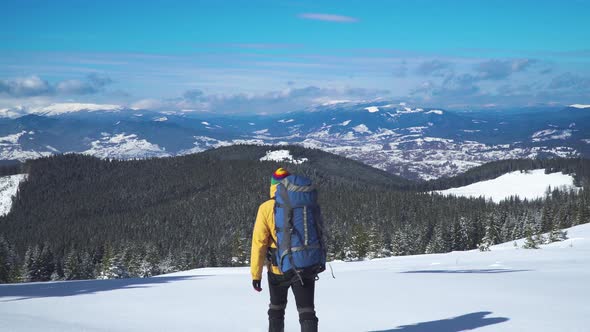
<point>150,264</point>
<point>106,262</point>
<point>460,235</point>
<point>166,265</point>
<point>30,267</point>
<point>556,234</point>
<point>582,214</point>
<point>492,235</point>
<point>240,253</point>
<point>46,263</point>
<point>376,243</point>
<point>72,265</point>
<point>87,266</point>
<point>118,268</point>
<point>8,262</point>
<point>547,218</point>
<point>530,241</point>
<point>435,244</point>
<point>359,245</point>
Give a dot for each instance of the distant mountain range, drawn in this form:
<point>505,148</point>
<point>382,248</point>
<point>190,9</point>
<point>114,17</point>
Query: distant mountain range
<point>416,143</point>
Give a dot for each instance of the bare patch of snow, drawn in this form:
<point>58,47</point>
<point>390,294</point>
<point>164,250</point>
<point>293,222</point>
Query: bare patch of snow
<point>334,102</point>
<point>416,130</point>
<point>580,106</point>
<point>11,139</point>
<point>438,112</point>
<point>161,119</point>
<point>282,156</point>
<point>372,109</point>
<point>345,123</point>
<point>286,121</point>
<point>361,129</point>
<point>551,134</point>
<point>261,132</point>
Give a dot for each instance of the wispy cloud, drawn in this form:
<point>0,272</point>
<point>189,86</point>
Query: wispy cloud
<point>433,67</point>
<point>291,99</point>
<point>500,69</point>
<point>34,86</point>
<point>328,17</point>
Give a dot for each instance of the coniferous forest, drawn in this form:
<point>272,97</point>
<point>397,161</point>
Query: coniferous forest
<point>79,217</point>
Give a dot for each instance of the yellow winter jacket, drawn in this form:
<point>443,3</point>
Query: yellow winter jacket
<point>263,237</point>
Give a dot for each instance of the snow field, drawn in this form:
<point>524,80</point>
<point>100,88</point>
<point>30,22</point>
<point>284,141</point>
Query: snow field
<point>506,289</point>
<point>526,185</point>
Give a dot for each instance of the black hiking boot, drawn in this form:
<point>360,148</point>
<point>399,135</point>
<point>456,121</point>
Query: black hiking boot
<point>309,325</point>
<point>276,324</point>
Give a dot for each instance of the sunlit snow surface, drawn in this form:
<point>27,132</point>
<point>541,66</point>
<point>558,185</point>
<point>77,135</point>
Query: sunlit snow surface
<point>506,289</point>
<point>282,156</point>
<point>62,108</point>
<point>8,188</point>
<point>124,146</point>
<point>529,185</point>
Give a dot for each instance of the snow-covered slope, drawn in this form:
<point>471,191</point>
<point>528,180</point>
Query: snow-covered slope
<point>8,188</point>
<point>526,185</point>
<point>124,146</point>
<point>580,106</point>
<point>501,290</point>
<point>11,149</point>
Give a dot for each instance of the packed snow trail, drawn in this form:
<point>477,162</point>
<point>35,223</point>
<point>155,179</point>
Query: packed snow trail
<point>506,289</point>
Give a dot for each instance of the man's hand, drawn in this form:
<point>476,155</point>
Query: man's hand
<point>256,285</point>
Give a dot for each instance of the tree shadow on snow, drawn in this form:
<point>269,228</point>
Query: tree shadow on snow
<point>468,271</point>
<point>461,323</point>
<point>27,291</point>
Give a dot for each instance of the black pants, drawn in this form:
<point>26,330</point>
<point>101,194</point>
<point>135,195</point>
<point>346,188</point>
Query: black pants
<point>279,285</point>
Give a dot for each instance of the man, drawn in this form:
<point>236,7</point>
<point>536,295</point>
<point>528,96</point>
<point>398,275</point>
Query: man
<point>264,240</point>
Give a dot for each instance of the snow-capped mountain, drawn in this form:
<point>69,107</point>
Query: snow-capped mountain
<point>414,142</point>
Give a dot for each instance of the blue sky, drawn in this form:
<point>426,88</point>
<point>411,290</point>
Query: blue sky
<point>273,56</point>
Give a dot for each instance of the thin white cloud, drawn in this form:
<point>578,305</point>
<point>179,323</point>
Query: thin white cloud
<point>328,17</point>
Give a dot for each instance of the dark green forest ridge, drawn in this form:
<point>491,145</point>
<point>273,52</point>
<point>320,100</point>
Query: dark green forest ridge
<point>79,217</point>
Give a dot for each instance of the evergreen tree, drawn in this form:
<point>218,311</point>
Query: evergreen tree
<point>46,263</point>
<point>556,234</point>
<point>72,265</point>
<point>150,262</point>
<point>167,264</point>
<point>359,247</point>
<point>8,262</point>
<point>31,267</point>
<point>460,235</point>
<point>547,218</point>
<point>582,213</point>
<point>105,270</point>
<point>530,241</point>
<point>437,243</point>
<point>491,236</point>
<point>240,252</point>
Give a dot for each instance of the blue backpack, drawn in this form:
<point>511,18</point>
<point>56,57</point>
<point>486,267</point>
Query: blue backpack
<point>299,227</point>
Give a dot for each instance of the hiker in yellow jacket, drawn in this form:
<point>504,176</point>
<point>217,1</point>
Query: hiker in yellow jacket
<point>264,238</point>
